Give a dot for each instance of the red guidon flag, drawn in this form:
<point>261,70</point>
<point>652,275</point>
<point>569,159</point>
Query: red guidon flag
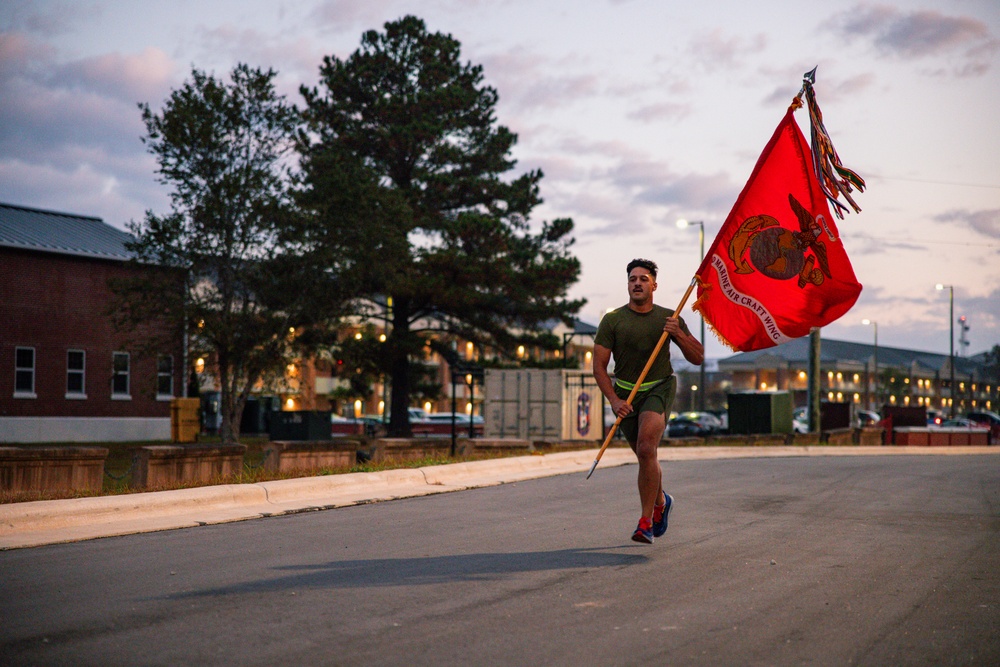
<point>778,266</point>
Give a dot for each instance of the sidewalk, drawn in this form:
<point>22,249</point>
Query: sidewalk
<point>54,521</point>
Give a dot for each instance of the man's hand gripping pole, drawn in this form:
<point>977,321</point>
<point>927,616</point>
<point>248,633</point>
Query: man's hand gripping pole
<point>642,376</point>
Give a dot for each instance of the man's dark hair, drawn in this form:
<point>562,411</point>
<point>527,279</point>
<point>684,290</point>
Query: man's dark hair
<point>647,264</point>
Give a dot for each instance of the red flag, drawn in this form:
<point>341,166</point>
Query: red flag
<point>778,266</point>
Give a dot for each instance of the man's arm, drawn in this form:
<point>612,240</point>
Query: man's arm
<point>602,357</point>
<point>690,346</point>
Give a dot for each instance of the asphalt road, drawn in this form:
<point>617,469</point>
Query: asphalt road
<point>819,561</point>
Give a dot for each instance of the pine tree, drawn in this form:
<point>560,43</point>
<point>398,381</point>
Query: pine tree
<point>413,131</point>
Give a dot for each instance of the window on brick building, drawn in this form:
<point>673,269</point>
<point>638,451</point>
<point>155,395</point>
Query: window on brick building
<point>120,375</point>
<point>76,368</point>
<point>24,372</point>
<point>165,376</point>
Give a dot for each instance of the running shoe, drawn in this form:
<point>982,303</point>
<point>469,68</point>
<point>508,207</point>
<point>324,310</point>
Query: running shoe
<point>660,515</point>
<point>644,531</point>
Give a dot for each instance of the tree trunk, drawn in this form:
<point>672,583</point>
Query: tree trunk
<point>229,402</point>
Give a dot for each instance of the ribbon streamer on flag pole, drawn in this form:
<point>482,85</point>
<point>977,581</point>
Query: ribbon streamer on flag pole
<point>825,158</point>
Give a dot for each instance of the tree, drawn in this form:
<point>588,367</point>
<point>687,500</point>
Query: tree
<point>448,238</point>
<point>223,149</point>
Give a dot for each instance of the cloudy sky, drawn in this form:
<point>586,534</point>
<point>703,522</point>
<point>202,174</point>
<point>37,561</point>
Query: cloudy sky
<point>639,112</point>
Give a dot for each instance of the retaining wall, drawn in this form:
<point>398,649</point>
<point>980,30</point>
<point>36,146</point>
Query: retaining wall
<point>52,468</point>
<point>286,456</point>
<point>157,466</point>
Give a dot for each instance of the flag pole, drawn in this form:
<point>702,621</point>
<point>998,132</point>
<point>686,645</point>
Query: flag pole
<point>642,376</point>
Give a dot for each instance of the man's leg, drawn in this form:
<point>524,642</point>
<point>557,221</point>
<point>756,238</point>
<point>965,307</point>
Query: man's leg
<point>651,425</point>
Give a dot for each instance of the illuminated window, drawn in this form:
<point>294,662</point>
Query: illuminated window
<point>588,357</point>
<point>802,375</point>
<point>857,378</point>
<point>520,351</point>
<point>357,408</point>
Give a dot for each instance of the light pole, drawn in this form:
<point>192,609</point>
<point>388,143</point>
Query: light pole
<point>875,324</point>
<point>951,345</point>
<point>682,223</point>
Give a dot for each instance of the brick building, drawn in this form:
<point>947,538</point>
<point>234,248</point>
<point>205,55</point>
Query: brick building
<point>65,374</point>
<point>848,375</point>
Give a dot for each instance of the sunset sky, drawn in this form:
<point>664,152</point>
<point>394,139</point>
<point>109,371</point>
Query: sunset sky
<point>639,112</point>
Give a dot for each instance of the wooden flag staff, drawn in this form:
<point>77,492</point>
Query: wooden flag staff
<point>642,376</point>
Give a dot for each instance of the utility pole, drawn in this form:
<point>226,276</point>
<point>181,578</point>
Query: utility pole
<point>814,380</point>
<point>702,389</point>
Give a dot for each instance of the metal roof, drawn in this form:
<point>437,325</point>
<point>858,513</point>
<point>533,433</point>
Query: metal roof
<point>832,351</point>
<point>62,233</point>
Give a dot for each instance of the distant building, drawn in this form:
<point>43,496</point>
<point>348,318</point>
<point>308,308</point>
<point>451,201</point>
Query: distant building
<point>848,375</point>
<point>65,374</point>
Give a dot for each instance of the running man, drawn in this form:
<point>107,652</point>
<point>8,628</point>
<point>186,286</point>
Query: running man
<point>630,334</point>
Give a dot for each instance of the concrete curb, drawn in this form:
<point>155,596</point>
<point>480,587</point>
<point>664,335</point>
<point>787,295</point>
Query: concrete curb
<point>54,521</point>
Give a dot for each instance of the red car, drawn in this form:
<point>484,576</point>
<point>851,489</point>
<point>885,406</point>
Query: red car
<point>989,419</point>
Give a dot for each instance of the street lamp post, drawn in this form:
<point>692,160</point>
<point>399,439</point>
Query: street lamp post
<point>875,324</point>
<point>951,345</point>
<point>682,223</point>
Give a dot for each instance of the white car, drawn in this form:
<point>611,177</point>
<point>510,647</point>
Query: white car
<point>800,420</point>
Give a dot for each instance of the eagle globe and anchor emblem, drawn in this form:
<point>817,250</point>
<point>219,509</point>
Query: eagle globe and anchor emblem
<point>781,253</point>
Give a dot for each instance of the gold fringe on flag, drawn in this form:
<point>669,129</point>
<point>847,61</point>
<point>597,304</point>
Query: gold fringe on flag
<point>835,179</point>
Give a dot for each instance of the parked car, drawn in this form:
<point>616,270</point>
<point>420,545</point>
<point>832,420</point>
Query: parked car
<point>987,418</point>
<point>344,426</point>
<point>683,427</point>
<point>960,423</point>
<point>705,419</point>
<point>723,417</point>
<point>439,424</point>
<point>864,418</point>
<point>800,420</point>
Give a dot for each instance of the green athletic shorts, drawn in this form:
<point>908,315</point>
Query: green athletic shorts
<point>659,398</point>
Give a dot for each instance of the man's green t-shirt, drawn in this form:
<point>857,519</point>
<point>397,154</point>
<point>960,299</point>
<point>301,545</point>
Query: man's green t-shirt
<point>631,337</point>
